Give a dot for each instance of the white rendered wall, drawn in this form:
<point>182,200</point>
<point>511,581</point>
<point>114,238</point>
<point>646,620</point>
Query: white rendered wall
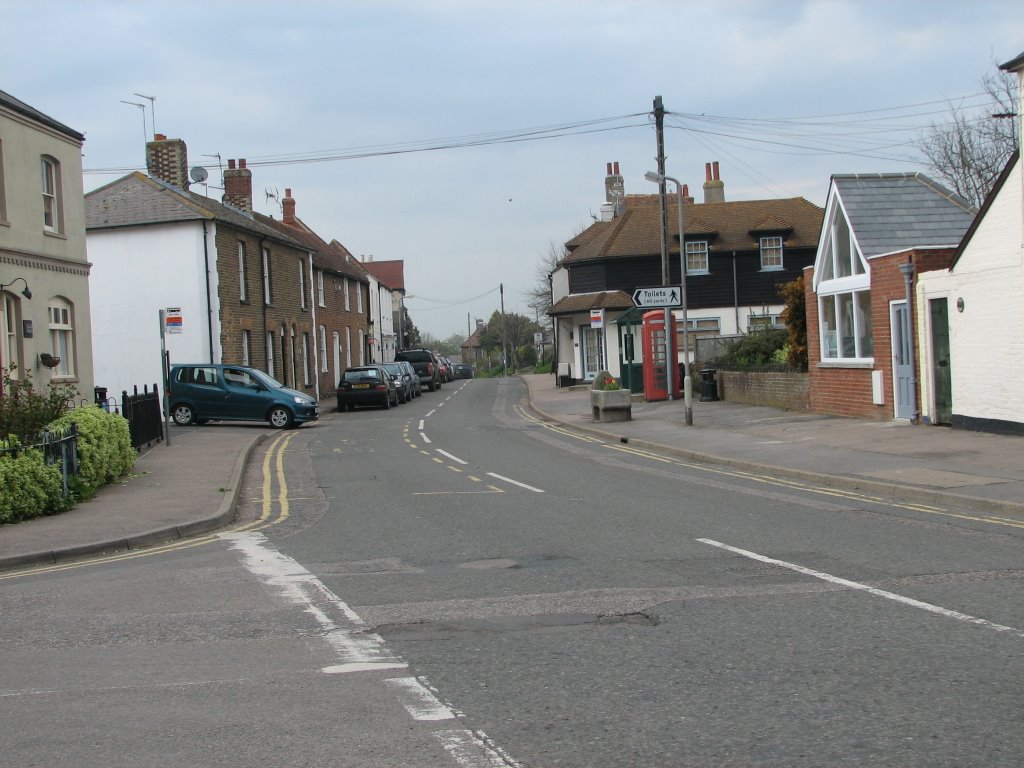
<point>137,272</point>
<point>986,340</point>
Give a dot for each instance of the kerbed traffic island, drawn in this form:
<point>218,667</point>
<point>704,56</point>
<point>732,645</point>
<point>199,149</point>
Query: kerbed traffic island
<point>609,401</point>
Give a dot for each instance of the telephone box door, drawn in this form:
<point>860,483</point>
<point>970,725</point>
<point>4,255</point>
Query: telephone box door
<point>656,357</point>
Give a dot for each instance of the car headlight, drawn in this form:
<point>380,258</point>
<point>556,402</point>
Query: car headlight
<point>302,400</point>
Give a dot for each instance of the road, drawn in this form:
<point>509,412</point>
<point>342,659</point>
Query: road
<point>455,582</point>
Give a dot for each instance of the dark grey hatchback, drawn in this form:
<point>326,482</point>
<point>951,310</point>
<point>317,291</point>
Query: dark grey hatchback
<point>366,385</point>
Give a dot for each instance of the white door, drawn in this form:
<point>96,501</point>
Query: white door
<point>593,351</point>
<point>902,364</point>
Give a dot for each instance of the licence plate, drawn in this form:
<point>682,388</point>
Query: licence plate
<point>360,386</point>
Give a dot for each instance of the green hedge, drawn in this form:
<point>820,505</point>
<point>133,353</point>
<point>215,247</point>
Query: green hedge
<point>29,488</point>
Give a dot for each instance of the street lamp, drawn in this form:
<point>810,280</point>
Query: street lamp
<point>658,178</point>
<point>26,292</point>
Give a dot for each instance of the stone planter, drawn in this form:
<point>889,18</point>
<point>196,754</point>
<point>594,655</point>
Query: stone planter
<point>611,404</point>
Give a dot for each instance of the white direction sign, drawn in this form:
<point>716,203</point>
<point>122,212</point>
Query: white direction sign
<point>663,296</point>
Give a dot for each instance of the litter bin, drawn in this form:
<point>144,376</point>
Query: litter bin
<point>100,393</point>
<point>708,385</point>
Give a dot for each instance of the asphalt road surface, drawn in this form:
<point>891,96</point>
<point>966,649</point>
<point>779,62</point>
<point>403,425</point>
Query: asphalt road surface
<point>455,582</point>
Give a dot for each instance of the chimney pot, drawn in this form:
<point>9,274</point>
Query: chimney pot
<point>707,171</point>
<point>241,163</point>
<point>287,192</point>
<point>609,169</point>
<point>616,167</point>
<point>159,137</point>
<point>231,163</point>
<point>714,167</point>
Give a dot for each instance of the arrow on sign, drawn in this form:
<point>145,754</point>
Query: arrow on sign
<point>662,296</point>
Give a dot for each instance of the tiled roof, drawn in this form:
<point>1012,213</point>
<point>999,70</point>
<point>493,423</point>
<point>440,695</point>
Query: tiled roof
<point>324,255</point>
<point>31,112</point>
<point>584,302</point>
<point>728,227</point>
<point>137,200</point>
<point>891,212</point>
<point>390,273</point>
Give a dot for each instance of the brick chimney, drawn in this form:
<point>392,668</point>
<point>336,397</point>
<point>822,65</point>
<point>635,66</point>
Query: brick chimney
<point>288,209</point>
<point>714,188</point>
<point>167,160</point>
<point>615,189</point>
<point>687,200</point>
<point>238,186</point>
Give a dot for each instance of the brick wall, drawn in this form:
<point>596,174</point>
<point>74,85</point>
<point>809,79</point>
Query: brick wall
<point>775,389</point>
<point>847,391</point>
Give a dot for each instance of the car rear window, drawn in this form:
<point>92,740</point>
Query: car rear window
<point>418,357</point>
<point>371,374</point>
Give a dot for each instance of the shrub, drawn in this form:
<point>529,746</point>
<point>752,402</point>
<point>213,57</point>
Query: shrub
<point>756,349</point>
<point>795,318</point>
<point>28,487</point>
<point>25,412</point>
<point>105,450</point>
<point>606,382</point>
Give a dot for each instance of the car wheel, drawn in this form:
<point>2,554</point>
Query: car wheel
<point>280,417</point>
<point>183,415</point>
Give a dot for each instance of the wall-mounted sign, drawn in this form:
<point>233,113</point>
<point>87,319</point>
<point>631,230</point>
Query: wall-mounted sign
<point>597,318</point>
<point>26,329</point>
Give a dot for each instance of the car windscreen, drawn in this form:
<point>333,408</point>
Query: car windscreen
<point>266,379</point>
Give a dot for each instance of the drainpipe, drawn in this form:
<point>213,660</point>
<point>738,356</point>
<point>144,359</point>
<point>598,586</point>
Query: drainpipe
<point>263,301</point>
<point>907,268</point>
<point>209,301</point>
<point>735,294</point>
<point>316,328</point>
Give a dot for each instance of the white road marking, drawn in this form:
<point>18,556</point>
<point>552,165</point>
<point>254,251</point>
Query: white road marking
<point>515,482</point>
<point>420,427</point>
<point>949,614</point>
<point>453,458</point>
<point>424,437</point>
<point>429,414</point>
<point>474,750</point>
<point>357,649</point>
<point>418,700</point>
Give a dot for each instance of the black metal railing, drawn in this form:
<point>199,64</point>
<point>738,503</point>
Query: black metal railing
<point>58,447</point>
<point>143,411</point>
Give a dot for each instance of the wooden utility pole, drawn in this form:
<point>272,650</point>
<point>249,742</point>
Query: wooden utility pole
<point>659,123</point>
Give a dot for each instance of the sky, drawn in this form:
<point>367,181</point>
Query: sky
<point>469,138</point>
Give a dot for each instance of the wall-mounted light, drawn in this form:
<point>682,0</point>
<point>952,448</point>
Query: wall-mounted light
<point>960,304</point>
<point>26,293</point>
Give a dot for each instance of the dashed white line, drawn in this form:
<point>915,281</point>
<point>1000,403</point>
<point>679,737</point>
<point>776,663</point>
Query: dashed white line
<point>420,427</point>
<point>473,750</point>
<point>456,459</point>
<point>515,482</point>
<point>949,614</point>
<point>418,700</point>
<point>423,436</point>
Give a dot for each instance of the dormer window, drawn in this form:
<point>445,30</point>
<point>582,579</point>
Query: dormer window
<point>697,257</point>
<point>771,253</point>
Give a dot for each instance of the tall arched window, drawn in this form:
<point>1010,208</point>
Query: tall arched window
<point>12,352</point>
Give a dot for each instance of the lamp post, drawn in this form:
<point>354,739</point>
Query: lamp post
<point>907,269</point>
<point>687,395</point>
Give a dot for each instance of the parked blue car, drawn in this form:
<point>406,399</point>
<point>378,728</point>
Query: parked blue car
<point>201,392</point>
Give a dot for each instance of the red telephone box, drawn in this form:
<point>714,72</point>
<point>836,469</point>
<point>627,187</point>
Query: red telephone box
<point>656,362</point>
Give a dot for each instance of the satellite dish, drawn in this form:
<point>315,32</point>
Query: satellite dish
<point>199,174</point>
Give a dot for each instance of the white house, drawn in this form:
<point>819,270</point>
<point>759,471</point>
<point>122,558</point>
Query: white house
<point>981,296</point>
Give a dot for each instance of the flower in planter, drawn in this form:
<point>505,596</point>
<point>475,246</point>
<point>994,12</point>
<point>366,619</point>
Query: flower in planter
<point>604,381</point>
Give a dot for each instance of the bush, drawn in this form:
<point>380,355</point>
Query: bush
<point>24,412</point>
<point>755,350</point>
<point>105,450</point>
<point>604,381</point>
<point>28,487</point>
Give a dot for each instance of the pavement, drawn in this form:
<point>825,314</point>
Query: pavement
<point>192,485</point>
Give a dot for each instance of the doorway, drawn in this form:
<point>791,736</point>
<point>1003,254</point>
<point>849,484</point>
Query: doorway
<point>902,363</point>
<point>942,374</point>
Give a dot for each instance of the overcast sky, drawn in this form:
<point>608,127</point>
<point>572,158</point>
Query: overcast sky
<point>360,108</point>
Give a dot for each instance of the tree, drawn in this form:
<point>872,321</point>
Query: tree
<point>970,150</point>
<point>508,334</point>
<point>795,318</point>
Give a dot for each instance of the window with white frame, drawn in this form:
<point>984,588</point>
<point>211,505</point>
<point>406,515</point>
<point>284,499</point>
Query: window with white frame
<point>696,257</point>
<point>52,213</point>
<point>359,297</point>
<point>362,347</point>
<point>305,359</point>
<point>320,288</point>
<point>270,352</point>
<point>763,321</point>
<point>345,289</point>
<point>323,349</point>
<point>842,283</point>
<point>697,327</point>
<point>62,336</point>
<point>243,287</point>
<point>771,253</point>
<point>3,187</point>
<point>302,284</point>
<point>245,347</point>
<point>266,276</point>
<point>12,349</point>
<point>348,347</point>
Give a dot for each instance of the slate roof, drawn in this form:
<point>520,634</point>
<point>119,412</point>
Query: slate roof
<point>391,273</point>
<point>728,227</point>
<point>21,107</point>
<point>138,200</point>
<point>1013,64</point>
<point>584,302</point>
<point>892,212</point>
<point>325,255</point>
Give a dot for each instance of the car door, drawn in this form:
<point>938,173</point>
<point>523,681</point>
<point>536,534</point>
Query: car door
<point>246,397</point>
<point>206,391</point>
